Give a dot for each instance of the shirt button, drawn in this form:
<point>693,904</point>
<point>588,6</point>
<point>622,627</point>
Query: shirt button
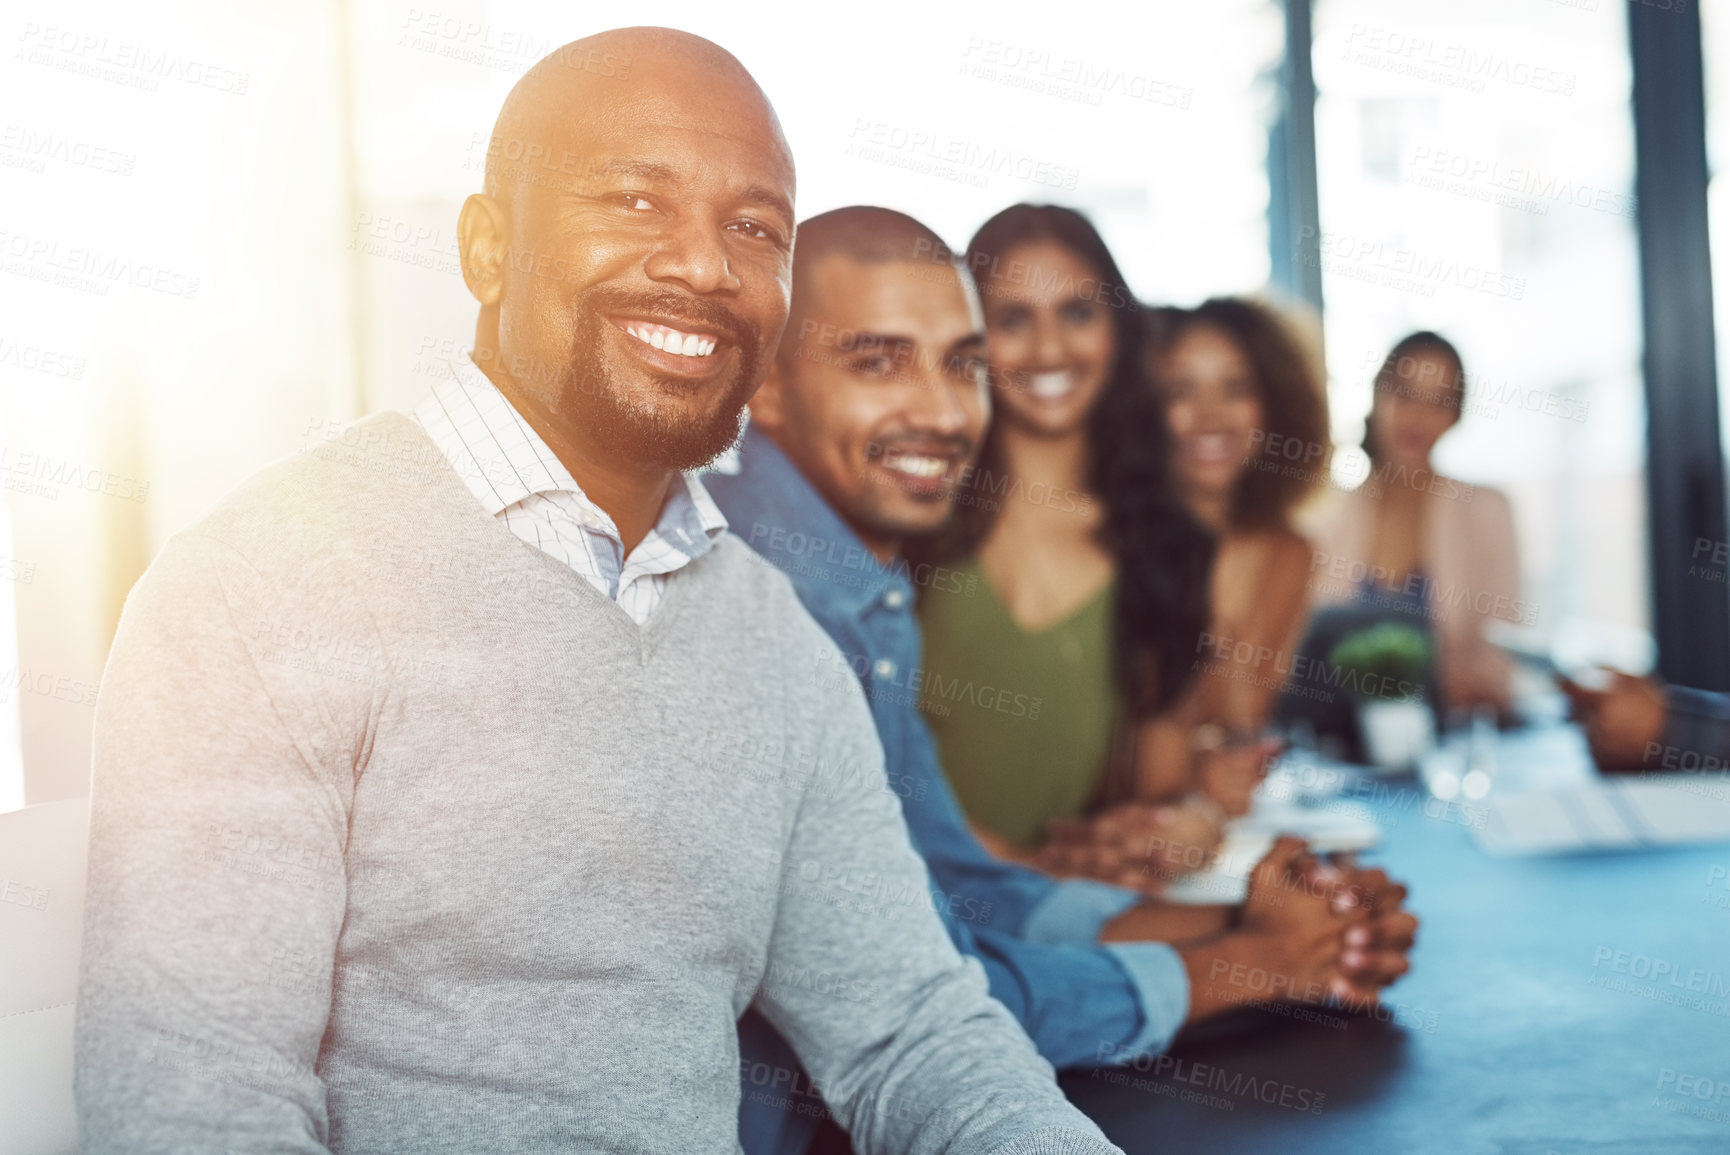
<point>884,668</point>
<point>894,598</point>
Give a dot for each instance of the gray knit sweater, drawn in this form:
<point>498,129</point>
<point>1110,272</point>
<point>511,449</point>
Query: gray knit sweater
<point>407,840</point>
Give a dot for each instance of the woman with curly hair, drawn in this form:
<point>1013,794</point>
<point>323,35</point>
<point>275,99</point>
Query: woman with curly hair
<point>1246,412</point>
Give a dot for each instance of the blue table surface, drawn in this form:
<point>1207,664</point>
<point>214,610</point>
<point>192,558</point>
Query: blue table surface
<point>1555,1005</point>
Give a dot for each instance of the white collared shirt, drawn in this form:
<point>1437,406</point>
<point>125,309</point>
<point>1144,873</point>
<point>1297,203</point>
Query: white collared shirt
<point>517,479</point>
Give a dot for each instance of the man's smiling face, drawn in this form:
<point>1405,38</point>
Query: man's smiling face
<point>882,397</point>
<point>647,281</point>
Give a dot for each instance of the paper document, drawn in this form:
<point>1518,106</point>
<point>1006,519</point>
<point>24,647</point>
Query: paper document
<point>1608,814</point>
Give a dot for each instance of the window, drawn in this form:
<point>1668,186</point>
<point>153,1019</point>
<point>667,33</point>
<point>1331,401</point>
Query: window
<point>1715,52</point>
<point>1475,168</point>
<point>1151,118</point>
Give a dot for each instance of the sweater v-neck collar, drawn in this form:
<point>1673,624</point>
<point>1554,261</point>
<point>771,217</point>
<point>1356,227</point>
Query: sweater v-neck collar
<point>647,637</point>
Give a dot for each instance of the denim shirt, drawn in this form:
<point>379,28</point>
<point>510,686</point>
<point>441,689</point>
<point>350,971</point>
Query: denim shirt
<point>1082,1003</point>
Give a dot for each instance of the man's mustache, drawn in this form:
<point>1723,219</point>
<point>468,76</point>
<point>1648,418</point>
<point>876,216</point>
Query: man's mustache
<point>934,445</point>
<point>676,309</point>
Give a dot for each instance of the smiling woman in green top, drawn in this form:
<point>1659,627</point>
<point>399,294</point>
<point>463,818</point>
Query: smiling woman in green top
<point>1092,577</point>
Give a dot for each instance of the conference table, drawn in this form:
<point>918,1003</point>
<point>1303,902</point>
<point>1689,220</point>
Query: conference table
<point>1556,1005</point>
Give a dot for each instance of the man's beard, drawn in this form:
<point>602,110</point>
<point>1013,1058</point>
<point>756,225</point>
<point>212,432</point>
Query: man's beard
<point>632,423</point>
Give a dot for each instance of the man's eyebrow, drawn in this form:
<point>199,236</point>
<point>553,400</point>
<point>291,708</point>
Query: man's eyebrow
<point>645,169</point>
<point>968,342</point>
<point>873,342</point>
<point>769,198</point>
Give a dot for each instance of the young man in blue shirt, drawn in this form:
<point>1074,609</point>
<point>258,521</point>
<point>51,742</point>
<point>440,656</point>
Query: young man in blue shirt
<point>876,403</point>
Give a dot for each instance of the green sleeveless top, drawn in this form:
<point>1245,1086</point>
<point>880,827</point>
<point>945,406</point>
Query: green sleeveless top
<point>1023,721</point>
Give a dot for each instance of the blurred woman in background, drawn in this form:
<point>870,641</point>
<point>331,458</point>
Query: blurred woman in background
<point>1088,579</point>
<point>1413,540</point>
<point>1246,412</point>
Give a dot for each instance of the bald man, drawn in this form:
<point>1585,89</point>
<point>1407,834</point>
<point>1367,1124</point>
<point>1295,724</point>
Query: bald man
<point>460,792</point>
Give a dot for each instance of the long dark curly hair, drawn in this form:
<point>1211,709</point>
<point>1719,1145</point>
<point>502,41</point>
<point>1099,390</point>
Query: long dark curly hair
<point>1163,556</point>
<point>1289,385</point>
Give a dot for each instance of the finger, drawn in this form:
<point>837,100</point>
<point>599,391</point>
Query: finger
<point>1107,862</point>
<point>1320,870</point>
<point>1276,866</point>
<point>1373,878</point>
<point>1283,858</point>
<point>1583,702</point>
<point>1353,997</point>
<point>1165,817</point>
<point>1325,880</point>
<point>1146,815</point>
<point>1588,698</point>
<point>1234,803</point>
<point>1377,968</point>
<point>1395,931</point>
<point>1084,859</point>
<point>1379,892</point>
<point>1138,834</point>
<point>1112,824</point>
<point>1141,829</point>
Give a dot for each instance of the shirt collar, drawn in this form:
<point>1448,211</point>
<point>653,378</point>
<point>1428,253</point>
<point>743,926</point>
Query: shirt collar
<point>783,517</point>
<point>503,460</point>
<point>691,518</point>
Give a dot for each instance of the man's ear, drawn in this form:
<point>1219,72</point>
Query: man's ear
<point>483,240</point>
<point>769,403</point>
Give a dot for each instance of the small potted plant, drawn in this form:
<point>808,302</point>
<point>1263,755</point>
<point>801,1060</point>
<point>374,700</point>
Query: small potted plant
<point>1383,668</point>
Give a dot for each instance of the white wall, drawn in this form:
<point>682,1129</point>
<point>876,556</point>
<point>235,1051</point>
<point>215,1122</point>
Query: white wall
<point>204,149</point>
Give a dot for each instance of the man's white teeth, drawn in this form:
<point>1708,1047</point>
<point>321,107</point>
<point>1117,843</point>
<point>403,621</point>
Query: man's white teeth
<point>922,467</point>
<point>1049,384</point>
<point>671,340</point>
